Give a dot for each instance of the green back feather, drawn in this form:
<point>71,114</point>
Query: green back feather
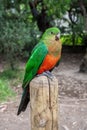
<point>35,60</point>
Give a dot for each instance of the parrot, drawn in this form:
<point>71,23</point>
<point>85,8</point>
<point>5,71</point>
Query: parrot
<point>44,57</point>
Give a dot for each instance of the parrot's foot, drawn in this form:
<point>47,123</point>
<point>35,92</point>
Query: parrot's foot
<point>47,73</point>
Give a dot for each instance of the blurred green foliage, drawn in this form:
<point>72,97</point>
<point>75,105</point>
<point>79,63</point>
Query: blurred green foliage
<point>66,40</point>
<point>9,80</point>
<point>17,35</point>
<point>5,91</point>
<point>16,40</point>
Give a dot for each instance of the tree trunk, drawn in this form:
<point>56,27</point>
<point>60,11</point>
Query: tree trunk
<point>41,17</point>
<point>83,66</point>
<point>44,103</point>
<point>83,8</point>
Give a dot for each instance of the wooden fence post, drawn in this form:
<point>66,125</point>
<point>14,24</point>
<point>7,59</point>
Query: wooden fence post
<point>44,103</point>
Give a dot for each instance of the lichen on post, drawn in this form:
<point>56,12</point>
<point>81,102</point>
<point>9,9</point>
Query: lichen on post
<point>44,103</point>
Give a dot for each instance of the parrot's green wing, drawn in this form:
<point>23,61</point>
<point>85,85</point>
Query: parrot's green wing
<point>37,56</point>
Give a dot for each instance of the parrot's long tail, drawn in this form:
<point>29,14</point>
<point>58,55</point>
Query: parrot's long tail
<point>24,100</point>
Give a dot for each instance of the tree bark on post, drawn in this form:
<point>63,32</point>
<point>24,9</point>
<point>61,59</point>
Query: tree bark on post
<point>44,103</point>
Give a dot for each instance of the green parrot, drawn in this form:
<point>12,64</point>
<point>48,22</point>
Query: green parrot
<point>44,57</point>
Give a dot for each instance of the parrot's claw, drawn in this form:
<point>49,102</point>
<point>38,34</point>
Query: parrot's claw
<point>47,74</point>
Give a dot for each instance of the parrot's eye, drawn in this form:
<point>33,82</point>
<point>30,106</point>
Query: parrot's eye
<point>52,33</point>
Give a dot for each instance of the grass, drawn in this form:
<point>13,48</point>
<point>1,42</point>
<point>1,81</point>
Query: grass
<point>5,91</point>
<point>8,80</point>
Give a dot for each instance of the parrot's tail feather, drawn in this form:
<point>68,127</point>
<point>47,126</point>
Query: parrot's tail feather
<point>24,100</point>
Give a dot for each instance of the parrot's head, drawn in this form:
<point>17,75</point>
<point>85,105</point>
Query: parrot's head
<point>51,38</point>
<point>50,33</point>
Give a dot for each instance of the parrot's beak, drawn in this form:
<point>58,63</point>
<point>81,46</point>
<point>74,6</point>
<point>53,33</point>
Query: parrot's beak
<point>57,37</point>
